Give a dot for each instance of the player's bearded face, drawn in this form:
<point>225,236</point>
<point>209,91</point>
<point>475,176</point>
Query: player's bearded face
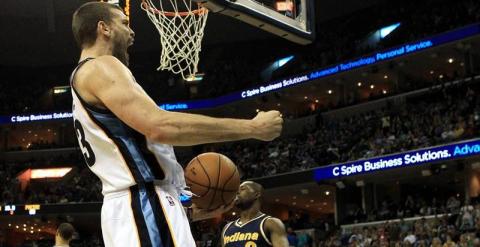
<point>119,50</point>
<point>243,204</point>
<point>244,199</point>
<point>122,37</point>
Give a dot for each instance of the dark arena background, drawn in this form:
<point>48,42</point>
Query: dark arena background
<point>380,144</point>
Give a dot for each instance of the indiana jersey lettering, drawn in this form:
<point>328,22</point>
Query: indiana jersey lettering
<point>249,234</point>
<point>141,180</point>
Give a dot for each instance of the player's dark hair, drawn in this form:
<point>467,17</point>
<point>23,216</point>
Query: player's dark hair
<point>66,230</point>
<point>85,21</point>
<point>256,187</point>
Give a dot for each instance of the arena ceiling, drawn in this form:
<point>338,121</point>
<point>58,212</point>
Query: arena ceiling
<point>38,33</point>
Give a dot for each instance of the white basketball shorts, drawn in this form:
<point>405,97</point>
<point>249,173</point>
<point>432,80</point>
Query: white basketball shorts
<point>145,216</point>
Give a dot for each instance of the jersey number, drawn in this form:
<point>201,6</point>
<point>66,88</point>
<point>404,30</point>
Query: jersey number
<point>250,244</point>
<point>88,154</point>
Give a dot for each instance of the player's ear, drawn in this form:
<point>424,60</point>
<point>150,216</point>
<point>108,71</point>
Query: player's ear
<point>103,28</point>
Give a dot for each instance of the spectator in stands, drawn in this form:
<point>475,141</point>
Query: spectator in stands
<point>453,204</point>
<point>64,235</point>
<point>292,237</point>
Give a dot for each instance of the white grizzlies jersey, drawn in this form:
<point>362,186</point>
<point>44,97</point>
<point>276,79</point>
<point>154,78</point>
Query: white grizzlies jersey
<point>119,155</point>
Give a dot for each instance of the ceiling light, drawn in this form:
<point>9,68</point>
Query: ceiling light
<point>359,84</point>
<point>384,91</point>
<point>372,86</point>
<point>316,101</point>
<point>450,60</point>
<point>327,193</point>
<point>306,97</point>
<point>431,72</point>
<point>329,91</point>
<point>385,77</point>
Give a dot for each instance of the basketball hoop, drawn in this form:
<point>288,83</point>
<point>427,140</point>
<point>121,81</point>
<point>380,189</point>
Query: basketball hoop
<point>180,24</point>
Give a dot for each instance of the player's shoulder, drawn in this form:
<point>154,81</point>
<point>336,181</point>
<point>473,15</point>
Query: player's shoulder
<point>102,64</point>
<point>108,59</point>
<point>102,68</point>
<point>273,223</point>
<point>230,223</point>
<point>226,226</point>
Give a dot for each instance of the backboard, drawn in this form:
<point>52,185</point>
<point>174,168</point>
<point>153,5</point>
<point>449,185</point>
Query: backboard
<point>293,20</point>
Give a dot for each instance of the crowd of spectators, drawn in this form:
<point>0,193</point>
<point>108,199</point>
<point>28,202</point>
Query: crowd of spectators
<point>412,206</point>
<point>80,241</point>
<point>80,185</point>
<point>42,145</point>
<point>338,39</point>
<point>440,116</point>
<point>459,227</point>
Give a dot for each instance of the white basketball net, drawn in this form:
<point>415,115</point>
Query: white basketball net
<point>181,34</point>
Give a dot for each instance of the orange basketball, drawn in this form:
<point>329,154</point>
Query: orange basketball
<point>213,178</point>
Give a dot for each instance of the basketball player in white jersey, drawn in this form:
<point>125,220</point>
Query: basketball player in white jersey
<point>127,139</point>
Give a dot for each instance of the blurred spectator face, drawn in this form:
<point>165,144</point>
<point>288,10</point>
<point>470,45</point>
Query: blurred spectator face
<point>436,242</point>
<point>476,242</point>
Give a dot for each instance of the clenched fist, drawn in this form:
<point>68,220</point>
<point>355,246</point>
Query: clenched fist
<point>268,125</point>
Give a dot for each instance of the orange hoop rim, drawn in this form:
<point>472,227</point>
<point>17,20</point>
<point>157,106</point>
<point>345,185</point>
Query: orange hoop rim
<point>200,11</point>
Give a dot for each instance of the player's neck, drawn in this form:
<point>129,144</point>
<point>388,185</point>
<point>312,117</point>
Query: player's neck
<point>60,242</point>
<point>249,214</point>
<point>96,50</point>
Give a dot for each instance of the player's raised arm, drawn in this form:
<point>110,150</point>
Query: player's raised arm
<point>112,85</point>
<point>278,235</point>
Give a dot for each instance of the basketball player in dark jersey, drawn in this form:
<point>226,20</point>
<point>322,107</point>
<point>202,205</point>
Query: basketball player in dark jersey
<point>253,228</point>
<point>127,139</point>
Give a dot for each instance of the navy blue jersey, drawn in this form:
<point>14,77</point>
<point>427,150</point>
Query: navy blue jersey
<point>248,234</point>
